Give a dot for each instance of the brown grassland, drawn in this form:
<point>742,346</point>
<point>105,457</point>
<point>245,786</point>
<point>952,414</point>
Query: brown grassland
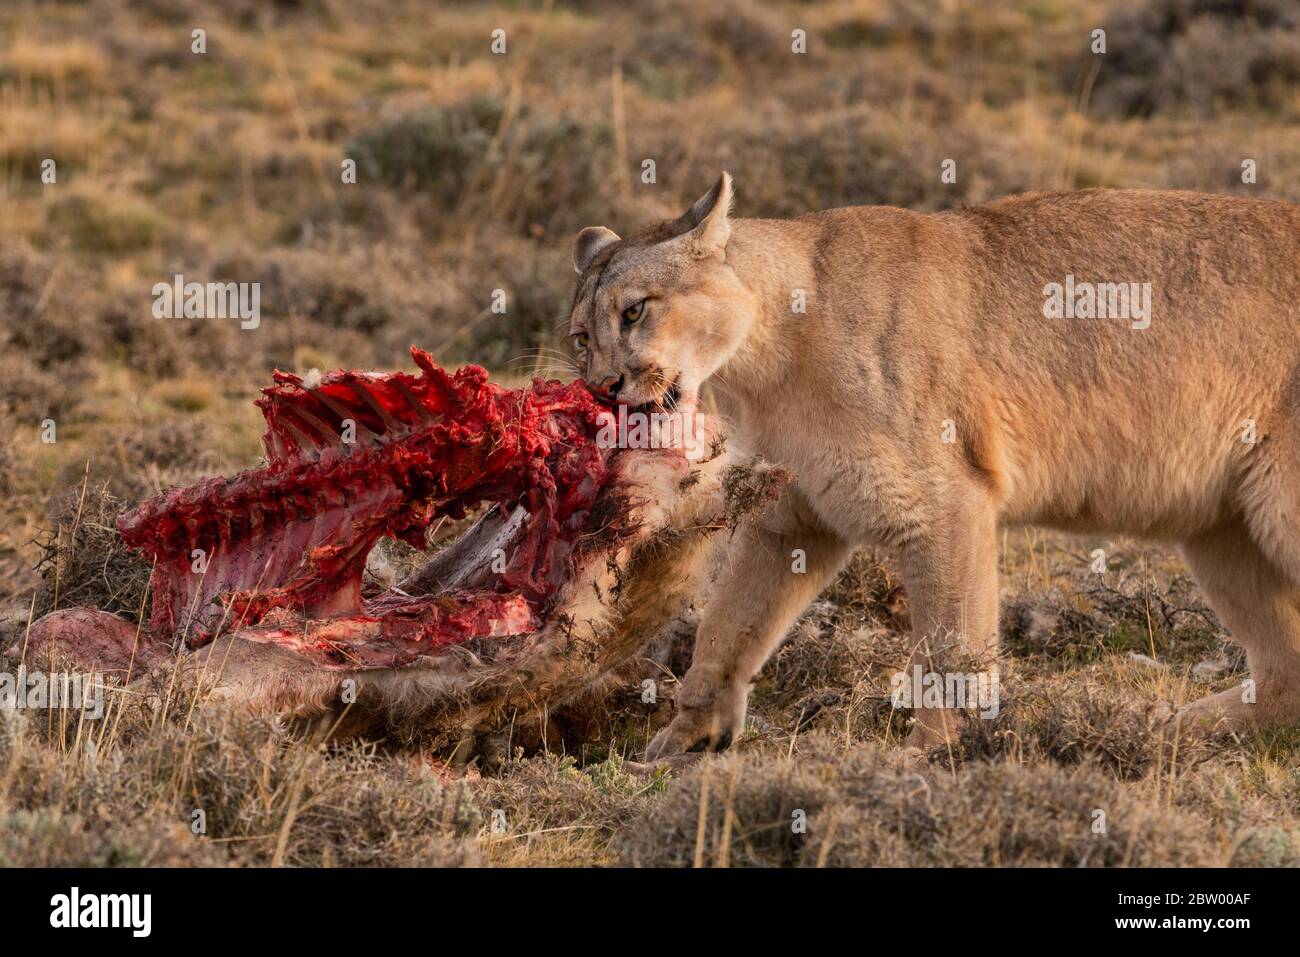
<point>474,172</point>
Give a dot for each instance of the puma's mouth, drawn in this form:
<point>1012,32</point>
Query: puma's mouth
<point>667,400</point>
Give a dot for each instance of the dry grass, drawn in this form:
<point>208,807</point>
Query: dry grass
<point>1023,788</point>
<point>474,172</point>
<point>826,804</point>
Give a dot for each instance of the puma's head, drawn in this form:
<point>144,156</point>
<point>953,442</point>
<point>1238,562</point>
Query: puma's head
<point>656,314</point>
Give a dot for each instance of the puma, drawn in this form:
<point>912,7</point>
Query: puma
<point>922,378</point>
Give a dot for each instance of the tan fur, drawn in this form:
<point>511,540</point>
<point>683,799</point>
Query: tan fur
<point>914,321</point>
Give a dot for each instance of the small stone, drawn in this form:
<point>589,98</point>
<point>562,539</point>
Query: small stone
<point>1211,667</point>
<point>1146,660</point>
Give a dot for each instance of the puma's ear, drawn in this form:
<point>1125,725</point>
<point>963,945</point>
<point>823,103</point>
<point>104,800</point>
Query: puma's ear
<point>588,244</point>
<point>708,221</point>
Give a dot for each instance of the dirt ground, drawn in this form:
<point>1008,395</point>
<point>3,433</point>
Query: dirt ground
<point>474,172</point>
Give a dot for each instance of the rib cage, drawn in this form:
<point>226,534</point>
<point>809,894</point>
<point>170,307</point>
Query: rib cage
<point>295,533</point>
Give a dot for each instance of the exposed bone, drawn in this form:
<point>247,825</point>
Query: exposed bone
<point>275,448</point>
<point>391,424</point>
<point>305,446</point>
<point>342,411</point>
<point>328,434</point>
<point>412,403</point>
<point>465,562</point>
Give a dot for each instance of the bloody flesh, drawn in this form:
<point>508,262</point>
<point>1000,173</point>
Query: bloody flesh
<point>352,457</point>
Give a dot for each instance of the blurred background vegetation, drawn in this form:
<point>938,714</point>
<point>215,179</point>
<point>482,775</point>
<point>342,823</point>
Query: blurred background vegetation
<point>475,169</point>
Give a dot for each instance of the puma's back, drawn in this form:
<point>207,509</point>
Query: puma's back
<point>1096,349</point>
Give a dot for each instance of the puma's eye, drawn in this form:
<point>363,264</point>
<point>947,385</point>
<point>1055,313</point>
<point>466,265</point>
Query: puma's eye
<point>580,340</point>
<point>633,312</point>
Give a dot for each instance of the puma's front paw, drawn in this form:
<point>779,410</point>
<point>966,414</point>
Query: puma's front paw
<point>710,725</point>
<point>692,731</point>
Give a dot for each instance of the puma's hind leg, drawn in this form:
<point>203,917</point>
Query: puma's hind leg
<point>1259,602</point>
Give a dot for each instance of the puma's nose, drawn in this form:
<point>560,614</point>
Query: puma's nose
<point>609,386</point>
